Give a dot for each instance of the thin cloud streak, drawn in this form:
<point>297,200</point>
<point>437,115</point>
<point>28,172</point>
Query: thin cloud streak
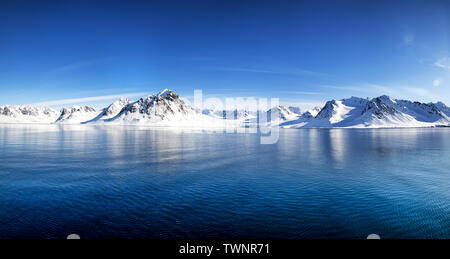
<point>346,88</point>
<point>443,63</point>
<point>77,65</point>
<point>422,92</point>
<point>408,39</point>
<point>302,93</point>
<point>366,88</point>
<point>88,99</point>
<point>296,72</point>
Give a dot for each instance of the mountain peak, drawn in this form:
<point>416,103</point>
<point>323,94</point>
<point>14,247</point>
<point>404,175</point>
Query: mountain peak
<point>164,93</point>
<point>166,105</point>
<point>385,97</point>
<point>327,111</point>
<point>295,109</point>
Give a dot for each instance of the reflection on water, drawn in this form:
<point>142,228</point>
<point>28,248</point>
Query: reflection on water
<point>160,183</point>
<point>337,146</point>
<point>314,145</point>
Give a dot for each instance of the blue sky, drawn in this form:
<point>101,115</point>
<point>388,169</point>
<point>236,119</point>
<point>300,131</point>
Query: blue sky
<point>302,52</point>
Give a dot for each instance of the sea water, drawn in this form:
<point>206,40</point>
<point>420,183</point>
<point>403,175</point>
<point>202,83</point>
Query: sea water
<point>138,182</point>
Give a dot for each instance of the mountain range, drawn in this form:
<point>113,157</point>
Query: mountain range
<point>168,109</point>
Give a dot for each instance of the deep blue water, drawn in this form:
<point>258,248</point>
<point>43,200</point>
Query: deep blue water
<point>126,182</point>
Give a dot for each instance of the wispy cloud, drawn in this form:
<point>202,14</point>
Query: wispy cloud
<point>88,99</point>
<point>294,71</point>
<point>302,92</point>
<point>344,87</point>
<point>381,89</point>
<point>421,92</point>
<point>443,63</point>
<point>408,39</point>
<point>367,88</point>
<point>77,65</point>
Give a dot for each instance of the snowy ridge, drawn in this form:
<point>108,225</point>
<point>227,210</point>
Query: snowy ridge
<point>295,109</point>
<point>76,115</point>
<point>372,113</point>
<point>27,114</point>
<point>237,114</point>
<point>444,108</point>
<point>311,113</point>
<point>284,113</point>
<point>111,111</point>
<point>166,108</point>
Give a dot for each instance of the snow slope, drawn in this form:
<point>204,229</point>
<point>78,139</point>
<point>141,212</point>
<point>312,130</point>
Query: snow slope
<point>111,111</point>
<point>284,114</point>
<point>76,115</point>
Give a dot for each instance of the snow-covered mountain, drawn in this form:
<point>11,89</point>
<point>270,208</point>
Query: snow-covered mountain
<point>311,113</point>
<point>163,109</point>
<point>76,115</point>
<point>169,109</point>
<point>378,112</point>
<point>165,106</point>
<point>284,113</point>
<point>295,109</point>
<point>237,114</point>
<point>444,108</point>
<point>112,110</point>
<point>27,114</point>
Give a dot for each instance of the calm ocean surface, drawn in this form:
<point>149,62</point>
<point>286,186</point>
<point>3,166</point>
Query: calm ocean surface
<point>127,182</point>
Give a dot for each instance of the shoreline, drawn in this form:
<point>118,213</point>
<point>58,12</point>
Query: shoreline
<point>213,128</point>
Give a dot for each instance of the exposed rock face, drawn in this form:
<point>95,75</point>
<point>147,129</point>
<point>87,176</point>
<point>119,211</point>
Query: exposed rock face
<point>327,111</point>
<point>379,107</point>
